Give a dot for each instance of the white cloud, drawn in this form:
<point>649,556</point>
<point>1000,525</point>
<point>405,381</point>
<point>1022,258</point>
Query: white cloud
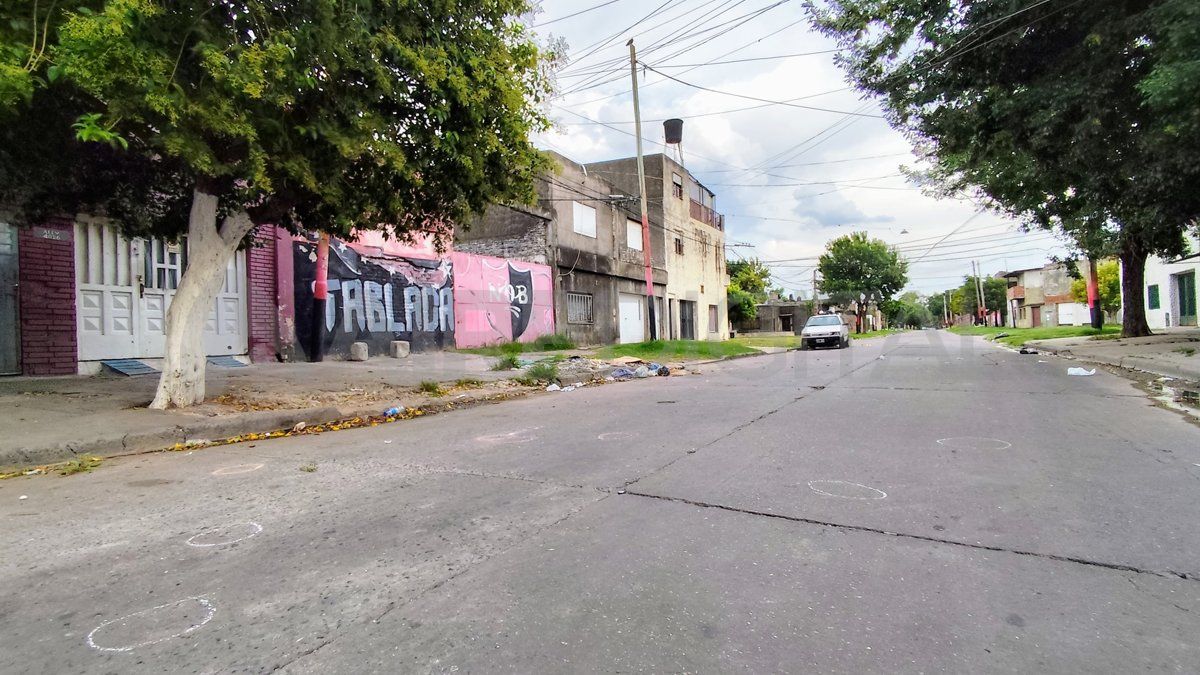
<point>783,220</point>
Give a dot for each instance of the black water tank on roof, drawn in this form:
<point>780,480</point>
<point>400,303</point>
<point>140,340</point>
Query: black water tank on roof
<point>673,128</point>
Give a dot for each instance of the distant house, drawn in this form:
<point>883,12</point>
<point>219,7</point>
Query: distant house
<point>777,315</point>
<point>1041,296</point>
<point>1170,289</point>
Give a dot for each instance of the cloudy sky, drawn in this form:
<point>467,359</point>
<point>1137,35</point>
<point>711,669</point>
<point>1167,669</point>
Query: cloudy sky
<point>787,178</point>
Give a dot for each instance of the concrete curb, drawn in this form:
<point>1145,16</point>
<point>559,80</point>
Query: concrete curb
<point>226,426</point>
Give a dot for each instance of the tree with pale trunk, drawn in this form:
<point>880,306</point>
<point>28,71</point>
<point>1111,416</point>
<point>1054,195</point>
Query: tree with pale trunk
<point>204,119</point>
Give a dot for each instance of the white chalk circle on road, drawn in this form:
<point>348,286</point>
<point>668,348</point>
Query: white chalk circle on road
<point>151,626</point>
<point>845,489</point>
<point>236,469</point>
<point>224,534</point>
<point>974,443</point>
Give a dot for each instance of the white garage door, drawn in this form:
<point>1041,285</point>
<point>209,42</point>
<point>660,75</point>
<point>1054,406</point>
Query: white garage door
<point>633,323</point>
<point>124,287</point>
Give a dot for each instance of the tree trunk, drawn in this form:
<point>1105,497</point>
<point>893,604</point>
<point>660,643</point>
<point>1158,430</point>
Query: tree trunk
<point>1133,273</point>
<point>209,252</point>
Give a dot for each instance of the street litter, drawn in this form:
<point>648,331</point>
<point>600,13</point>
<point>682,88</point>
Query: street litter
<point>621,373</point>
<point>387,441</point>
<point>391,412</point>
<point>571,388</point>
<point>1027,350</point>
<point>642,371</point>
<point>1081,372</point>
<point>997,336</point>
<point>299,427</point>
<point>554,387</point>
<point>1041,361</point>
<point>22,497</point>
<point>625,360</point>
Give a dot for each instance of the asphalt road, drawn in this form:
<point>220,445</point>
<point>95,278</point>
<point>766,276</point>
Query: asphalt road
<point>925,503</point>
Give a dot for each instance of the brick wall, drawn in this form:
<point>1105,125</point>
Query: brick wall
<point>529,246</point>
<point>260,300</point>
<point>47,291</point>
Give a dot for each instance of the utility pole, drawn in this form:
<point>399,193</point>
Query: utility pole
<point>946,307</point>
<point>1093,295</point>
<point>979,292</point>
<point>316,336</point>
<point>814,300</point>
<point>641,166</point>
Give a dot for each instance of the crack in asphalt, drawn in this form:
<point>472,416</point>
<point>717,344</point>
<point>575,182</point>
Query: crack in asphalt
<point>1168,574</point>
<point>1061,392</point>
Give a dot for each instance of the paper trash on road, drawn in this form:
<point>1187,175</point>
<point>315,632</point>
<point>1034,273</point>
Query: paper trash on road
<point>1081,372</point>
<point>625,360</point>
<point>554,387</point>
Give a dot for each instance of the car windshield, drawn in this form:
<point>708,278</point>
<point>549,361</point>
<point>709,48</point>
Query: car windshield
<point>826,320</point>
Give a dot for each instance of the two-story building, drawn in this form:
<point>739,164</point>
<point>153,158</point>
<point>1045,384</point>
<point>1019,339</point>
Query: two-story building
<point>1041,296</point>
<point>590,234</point>
<point>684,212</point>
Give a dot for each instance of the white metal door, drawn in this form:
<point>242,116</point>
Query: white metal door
<point>633,324</point>
<point>225,331</point>
<point>10,337</point>
<point>125,288</point>
<point>107,273</point>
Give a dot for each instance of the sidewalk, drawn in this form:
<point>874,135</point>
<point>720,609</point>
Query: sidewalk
<point>52,419</point>
<point>49,419</point>
<point>1173,353</point>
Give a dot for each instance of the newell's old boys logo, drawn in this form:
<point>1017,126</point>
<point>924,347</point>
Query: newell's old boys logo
<point>520,300</point>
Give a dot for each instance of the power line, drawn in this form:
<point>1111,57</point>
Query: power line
<point>764,100</point>
<point>582,11</point>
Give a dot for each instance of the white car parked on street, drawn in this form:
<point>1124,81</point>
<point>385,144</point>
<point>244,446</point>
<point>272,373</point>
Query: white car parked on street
<point>825,330</point>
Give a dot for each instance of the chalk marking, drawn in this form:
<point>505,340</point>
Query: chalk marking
<point>971,443</point>
<point>518,436</point>
<point>615,435</point>
<point>236,469</point>
<point>203,602</point>
<point>254,526</point>
<point>880,494</point>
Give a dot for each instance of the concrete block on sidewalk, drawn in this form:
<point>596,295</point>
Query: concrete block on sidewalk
<point>400,349</point>
<point>359,351</point>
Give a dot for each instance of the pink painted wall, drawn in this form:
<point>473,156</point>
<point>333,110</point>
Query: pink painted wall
<point>495,298</point>
<point>373,243</point>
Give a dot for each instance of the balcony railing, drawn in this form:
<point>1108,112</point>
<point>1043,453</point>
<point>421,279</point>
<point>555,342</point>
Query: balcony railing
<point>706,215</point>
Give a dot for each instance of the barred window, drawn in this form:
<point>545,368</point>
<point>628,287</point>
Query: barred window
<point>677,182</point>
<point>678,246</point>
<point>579,308</point>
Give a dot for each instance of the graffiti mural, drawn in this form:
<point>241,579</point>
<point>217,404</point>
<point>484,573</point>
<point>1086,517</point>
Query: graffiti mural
<point>500,300</point>
<point>376,300</point>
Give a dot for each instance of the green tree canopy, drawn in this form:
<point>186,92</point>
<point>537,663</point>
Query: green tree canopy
<point>863,269</point>
<point>393,115</point>
<point>1108,274</point>
<point>1071,116</point>
<point>748,283</point>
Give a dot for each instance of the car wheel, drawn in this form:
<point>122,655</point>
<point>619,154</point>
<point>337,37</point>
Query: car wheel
<point>845,342</point>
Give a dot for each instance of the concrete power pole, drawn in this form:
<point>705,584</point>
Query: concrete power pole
<point>641,166</point>
<point>979,291</point>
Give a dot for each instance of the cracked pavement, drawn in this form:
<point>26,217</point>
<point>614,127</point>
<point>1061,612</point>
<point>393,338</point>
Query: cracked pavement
<point>926,502</point>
